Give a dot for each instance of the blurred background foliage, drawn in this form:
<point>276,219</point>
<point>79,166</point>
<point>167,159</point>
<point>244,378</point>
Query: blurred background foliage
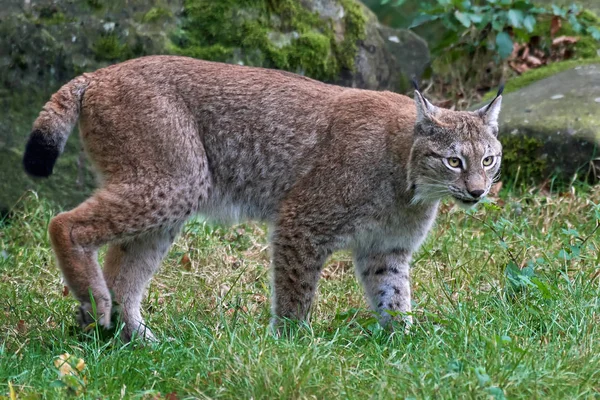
<point>460,50</point>
<point>477,44</point>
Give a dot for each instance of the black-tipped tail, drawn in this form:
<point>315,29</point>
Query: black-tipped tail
<point>41,153</point>
<point>52,128</point>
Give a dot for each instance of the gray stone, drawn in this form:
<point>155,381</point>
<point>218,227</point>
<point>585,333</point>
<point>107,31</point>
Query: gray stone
<point>383,63</point>
<point>561,114</point>
<point>408,49</point>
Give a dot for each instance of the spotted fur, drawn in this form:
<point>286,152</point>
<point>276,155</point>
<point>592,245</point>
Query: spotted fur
<point>326,167</point>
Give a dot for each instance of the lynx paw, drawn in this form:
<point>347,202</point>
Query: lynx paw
<point>87,318</point>
<point>141,332</point>
<point>402,322</point>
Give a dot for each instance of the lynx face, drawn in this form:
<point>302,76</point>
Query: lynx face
<point>455,153</point>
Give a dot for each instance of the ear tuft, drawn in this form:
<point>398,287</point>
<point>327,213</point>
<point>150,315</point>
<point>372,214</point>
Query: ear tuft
<point>425,110</point>
<point>500,89</point>
<point>491,112</point>
<point>415,83</point>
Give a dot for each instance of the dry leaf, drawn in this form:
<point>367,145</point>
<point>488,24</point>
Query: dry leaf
<point>65,363</point>
<point>223,290</point>
<point>65,291</point>
<point>565,40</point>
<point>555,25</point>
<point>259,298</point>
<point>518,67</point>
<point>185,262</point>
<point>533,61</point>
<point>21,328</point>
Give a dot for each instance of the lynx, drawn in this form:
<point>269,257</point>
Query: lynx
<point>326,167</point>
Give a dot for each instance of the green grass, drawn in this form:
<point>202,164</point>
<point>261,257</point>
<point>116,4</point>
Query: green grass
<point>506,298</point>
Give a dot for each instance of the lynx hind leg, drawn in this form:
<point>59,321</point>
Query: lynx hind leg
<point>114,213</point>
<point>128,267</point>
<point>385,276</point>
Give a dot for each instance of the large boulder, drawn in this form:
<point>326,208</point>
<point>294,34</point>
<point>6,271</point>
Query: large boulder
<point>551,128</point>
<point>44,43</point>
<point>336,41</point>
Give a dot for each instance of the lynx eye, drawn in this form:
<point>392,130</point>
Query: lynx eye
<point>454,162</point>
<point>489,160</point>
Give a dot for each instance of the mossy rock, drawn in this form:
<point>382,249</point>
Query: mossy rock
<point>337,41</point>
<point>551,128</point>
<point>45,43</point>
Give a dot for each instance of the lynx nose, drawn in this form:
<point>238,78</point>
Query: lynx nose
<point>476,193</point>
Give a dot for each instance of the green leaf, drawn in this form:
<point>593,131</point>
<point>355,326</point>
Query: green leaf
<point>498,25</point>
<point>496,392</point>
<point>595,32</point>
<point>464,4</point>
<point>520,36</point>
<point>422,19</point>
<point>539,10</point>
<point>563,255</point>
<point>455,366</point>
<point>522,5</point>
<point>57,384</point>
<point>575,24</point>
<point>504,45</point>
<point>475,18</point>
<point>482,376</point>
<point>529,23</point>
<point>463,19</point>
<point>515,18</point>
<point>543,288</point>
<point>556,10</point>
<point>574,9</point>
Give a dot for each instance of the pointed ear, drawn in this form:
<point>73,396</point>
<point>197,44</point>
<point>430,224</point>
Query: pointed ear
<point>490,113</point>
<point>425,110</point>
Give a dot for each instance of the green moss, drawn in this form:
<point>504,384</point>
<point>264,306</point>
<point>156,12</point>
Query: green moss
<point>354,21</point>
<point>280,34</point>
<point>94,4</point>
<point>156,14</point>
<point>56,19</point>
<point>521,161</point>
<point>50,14</point>
<point>109,48</point>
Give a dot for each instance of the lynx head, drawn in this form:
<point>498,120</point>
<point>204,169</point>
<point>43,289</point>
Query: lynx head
<point>454,153</point>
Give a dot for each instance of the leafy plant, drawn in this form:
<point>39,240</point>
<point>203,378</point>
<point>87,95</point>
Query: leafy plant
<point>496,24</point>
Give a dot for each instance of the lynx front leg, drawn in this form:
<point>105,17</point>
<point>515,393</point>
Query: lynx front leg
<point>386,279</point>
<point>296,264</point>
